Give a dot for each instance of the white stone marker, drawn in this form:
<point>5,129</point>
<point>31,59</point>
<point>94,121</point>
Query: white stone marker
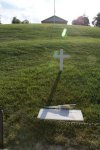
<point>60,114</point>
<point>61,57</point>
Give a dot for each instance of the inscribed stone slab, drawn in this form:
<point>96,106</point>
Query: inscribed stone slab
<point>60,114</point>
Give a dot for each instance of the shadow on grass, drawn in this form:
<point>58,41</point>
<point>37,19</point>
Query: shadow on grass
<point>54,87</point>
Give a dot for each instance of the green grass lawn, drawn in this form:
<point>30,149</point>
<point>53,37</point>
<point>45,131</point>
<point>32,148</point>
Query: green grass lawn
<point>27,73</point>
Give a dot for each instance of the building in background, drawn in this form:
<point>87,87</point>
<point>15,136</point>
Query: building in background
<point>55,19</point>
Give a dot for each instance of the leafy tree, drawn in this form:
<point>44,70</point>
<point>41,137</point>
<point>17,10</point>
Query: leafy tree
<point>81,20</point>
<point>86,21</point>
<point>25,22</point>
<point>15,21</point>
<point>96,21</point>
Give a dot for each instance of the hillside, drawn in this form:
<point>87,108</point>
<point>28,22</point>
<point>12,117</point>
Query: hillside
<point>28,72</point>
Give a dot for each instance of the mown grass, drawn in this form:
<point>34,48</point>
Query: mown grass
<point>27,73</point>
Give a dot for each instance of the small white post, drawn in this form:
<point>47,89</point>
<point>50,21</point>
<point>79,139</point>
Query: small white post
<point>61,57</point>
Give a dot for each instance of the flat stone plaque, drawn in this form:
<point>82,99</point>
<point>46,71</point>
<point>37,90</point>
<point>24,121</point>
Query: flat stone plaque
<point>60,114</point>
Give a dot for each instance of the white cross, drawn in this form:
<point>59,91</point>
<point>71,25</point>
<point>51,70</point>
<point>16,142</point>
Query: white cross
<point>61,57</point>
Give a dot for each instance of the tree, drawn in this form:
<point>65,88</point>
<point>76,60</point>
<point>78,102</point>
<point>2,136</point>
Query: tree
<point>25,21</point>
<point>15,21</point>
<point>96,20</point>
<point>86,21</point>
<point>81,20</point>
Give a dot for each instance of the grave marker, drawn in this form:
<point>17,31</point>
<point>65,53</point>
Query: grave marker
<point>61,57</point>
<point>61,112</point>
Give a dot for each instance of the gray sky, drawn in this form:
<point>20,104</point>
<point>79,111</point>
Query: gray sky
<point>37,10</point>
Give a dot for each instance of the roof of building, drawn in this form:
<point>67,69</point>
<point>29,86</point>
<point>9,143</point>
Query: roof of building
<point>55,19</point>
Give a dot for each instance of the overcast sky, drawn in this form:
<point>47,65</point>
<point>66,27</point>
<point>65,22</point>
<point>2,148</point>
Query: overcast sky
<point>37,10</point>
